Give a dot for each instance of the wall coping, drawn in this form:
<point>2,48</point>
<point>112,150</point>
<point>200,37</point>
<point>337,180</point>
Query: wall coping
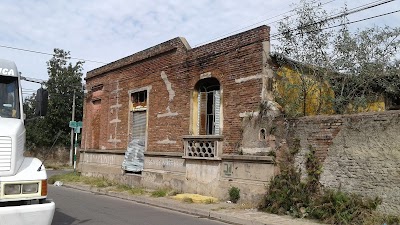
<point>202,158</point>
<point>151,52</point>
<point>348,116</point>
<point>103,151</point>
<point>267,159</point>
<point>172,154</point>
<point>219,137</point>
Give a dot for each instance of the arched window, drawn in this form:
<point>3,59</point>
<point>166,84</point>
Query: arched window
<point>208,111</point>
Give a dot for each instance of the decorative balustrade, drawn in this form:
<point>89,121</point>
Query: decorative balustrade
<point>203,146</point>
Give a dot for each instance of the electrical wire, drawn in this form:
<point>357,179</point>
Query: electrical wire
<point>336,16</point>
<point>252,25</point>
<point>171,67</point>
<point>351,22</point>
<point>46,53</point>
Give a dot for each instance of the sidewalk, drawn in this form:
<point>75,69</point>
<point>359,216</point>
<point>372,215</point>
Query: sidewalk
<point>225,212</point>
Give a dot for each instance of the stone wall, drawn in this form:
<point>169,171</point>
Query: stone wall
<point>360,153</point>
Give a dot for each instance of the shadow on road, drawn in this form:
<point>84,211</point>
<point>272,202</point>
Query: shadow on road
<point>62,219</point>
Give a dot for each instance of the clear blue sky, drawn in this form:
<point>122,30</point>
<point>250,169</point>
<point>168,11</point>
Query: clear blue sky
<point>106,31</point>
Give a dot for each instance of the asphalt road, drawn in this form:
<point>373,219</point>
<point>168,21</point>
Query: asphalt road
<point>80,207</point>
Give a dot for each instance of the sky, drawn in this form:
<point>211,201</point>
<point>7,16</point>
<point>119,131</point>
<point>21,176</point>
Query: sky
<point>100,31</point>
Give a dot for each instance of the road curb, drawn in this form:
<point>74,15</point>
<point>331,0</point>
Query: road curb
<point>230,217</point>
<point>178,207</point>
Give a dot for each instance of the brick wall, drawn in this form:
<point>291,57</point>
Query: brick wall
<point>360,153</point>
<point>106,123</point>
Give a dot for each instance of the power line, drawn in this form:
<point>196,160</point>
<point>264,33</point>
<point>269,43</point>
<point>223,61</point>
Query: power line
<point>229,51</point>
<point>336,16</point>
<point>252,25</point>
<point>356,21</point>
<point>46,53</point>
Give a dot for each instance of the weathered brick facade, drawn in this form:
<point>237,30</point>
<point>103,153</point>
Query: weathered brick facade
<point>236,62</point>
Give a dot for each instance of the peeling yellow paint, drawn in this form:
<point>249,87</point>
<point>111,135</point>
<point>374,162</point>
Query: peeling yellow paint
<point>196,198</point>
<point>289,93</point>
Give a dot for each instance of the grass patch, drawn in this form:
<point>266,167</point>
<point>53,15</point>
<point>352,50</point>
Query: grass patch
<point>96,182</point>
<point>129,189</point>
<point>159,193</point>
<point>77,178</point>
<point>136,191</point>
<point>68,177</point>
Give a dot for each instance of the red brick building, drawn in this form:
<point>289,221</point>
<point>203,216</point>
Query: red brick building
<point>185,106</point>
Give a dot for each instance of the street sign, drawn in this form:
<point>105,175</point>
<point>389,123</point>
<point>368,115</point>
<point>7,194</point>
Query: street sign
<point>75,124</point>
<point>72,124</point>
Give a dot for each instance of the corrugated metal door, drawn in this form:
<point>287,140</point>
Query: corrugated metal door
<point>139,125</point>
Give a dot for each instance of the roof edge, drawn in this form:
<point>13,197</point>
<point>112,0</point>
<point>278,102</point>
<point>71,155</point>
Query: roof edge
<point>170,45</point>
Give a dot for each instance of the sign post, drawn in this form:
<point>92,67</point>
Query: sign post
<point>76,125</point>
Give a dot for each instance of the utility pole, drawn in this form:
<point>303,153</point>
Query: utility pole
<point>71,150</point>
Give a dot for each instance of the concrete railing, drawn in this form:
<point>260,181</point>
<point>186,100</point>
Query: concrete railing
<point>203,147</point>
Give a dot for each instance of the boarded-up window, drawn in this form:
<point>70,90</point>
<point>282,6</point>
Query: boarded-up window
<point>134,155</point>
<point>95,122</point>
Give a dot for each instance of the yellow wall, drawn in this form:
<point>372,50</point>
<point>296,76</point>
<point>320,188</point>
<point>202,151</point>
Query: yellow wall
<point>289,93</point>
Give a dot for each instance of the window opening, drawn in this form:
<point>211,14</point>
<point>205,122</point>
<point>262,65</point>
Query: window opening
<point>263,134</point>
<point>209,104</point>
<point>139,99</point>
<point>98,87</point>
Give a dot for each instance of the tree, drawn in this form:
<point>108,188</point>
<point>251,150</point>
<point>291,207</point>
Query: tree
<point>64,80</point>
<point>36,135</point>
<point>360,66</point>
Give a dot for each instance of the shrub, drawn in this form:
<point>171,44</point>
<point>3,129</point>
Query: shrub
<point>338,207</point>
<point>288,194</point>
<point>234,194</point>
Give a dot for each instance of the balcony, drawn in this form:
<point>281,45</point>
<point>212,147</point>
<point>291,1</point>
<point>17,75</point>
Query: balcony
<point>203,147</point>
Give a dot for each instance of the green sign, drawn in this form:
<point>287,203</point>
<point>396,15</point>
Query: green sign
<point>77,130</point>
<point>75,124</point>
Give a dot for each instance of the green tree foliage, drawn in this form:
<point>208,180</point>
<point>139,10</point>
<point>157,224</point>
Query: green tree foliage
<point>36,134</point>
<point>64,79</point>
<point>360,66</point>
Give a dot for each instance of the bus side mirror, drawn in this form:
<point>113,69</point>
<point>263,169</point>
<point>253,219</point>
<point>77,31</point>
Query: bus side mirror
<point>42,99</point>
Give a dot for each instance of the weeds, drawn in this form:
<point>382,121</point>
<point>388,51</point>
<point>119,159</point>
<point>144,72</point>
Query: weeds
<point>159,193</point>
<point>96,182</point>
<point>129,189</point>
<point>288,194</point>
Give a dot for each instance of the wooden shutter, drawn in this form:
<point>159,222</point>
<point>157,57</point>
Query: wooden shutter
<point>217,110</point>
